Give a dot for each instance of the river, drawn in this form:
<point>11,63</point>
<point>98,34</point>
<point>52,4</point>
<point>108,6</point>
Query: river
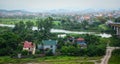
<point>65,31</point>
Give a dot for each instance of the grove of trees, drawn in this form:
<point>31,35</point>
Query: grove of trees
<point>11,38</point>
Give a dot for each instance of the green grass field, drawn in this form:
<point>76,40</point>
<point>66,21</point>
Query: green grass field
<point>50,60</point>
<point>115,58</point>
<point>14,21</point>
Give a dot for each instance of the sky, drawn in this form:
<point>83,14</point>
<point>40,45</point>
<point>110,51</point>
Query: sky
<point>36,5</point>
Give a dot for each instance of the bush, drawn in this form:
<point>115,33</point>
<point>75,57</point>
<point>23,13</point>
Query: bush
<point>49,52</point>
<point>96,50</point>
<point>24,52</point>
<point>14,54</point>
<point>38,52</point>
<point>116,52</point>
<point>68,50</point>
<point>114,41</point>
<point>5,51</point>
<point>33,56</point>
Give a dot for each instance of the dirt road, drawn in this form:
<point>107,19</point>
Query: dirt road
<point>106,58</point>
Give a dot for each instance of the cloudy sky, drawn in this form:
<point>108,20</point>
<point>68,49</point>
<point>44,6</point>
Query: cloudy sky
<point>57,4</point>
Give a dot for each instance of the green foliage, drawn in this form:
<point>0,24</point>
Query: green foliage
<point>116,52</point>
<point>117,19</point>
<point>68,50</point>
<point>115,41</point>
<point>25,31</point>
<point>96,46</point>
<point>8,43</point>
<point>24,52</point>
<point>73,51</point>
<point>61,23</point>
<point>49,52</point>
<point>49,59</point>
<point>29,25</point>
<point>44,27</point>
<point>38,52</point>
<point>96,50</point>
<point>115,58</point>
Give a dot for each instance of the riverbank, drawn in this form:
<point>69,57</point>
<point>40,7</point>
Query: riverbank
<point>115,58</point>
<point>66,31</point>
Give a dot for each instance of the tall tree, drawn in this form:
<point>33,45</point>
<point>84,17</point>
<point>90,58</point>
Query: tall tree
<point>8,43</point>
<point>29,25</point>
<point>44,27</point>
<point>19,27</point>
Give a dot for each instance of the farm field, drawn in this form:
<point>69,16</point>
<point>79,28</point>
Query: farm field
<point>50,60</point>
<point>14,21</point>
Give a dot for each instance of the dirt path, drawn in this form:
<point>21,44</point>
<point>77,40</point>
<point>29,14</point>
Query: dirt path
<point>106,58</point>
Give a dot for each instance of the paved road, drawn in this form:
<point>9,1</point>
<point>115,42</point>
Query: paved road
<point>106,58</point>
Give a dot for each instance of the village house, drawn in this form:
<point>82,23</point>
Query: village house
<point>48,44</point>
<point>81,42</point>
<point>71,39</point>
<point>29,46</point>
<point>62,35</point>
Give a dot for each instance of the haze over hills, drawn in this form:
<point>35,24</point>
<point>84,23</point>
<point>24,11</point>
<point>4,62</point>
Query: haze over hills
<point>63,10</point>
<point>59,13</point>
<point>89,10</point>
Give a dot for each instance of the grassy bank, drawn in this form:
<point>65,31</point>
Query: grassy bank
<point>115,58</point>
<point>50,60</point>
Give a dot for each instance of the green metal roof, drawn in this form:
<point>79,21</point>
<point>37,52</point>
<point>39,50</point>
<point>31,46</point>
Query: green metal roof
<point>49,42</point>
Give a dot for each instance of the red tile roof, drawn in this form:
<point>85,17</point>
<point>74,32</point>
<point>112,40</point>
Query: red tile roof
<point>28,44</point>
<point>80,39</point>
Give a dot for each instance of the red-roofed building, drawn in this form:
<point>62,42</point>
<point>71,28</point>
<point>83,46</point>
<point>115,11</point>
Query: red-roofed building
<point>81,42</point>
<point>29,46</point>
<point>80,39</point>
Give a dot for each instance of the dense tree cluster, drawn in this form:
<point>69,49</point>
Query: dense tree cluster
<point>10,39</point>
<point>96,46</point>
<point>115,41</point>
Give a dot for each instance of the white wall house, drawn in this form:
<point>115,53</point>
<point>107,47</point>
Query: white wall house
<point>48,44</point>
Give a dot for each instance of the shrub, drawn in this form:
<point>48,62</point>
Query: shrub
<point>38,52</point>
<point>24,52</point>
<point>116,52</point>
<point>49,52</point>
<point>14,54</point>
<point>68,50</point>
<point>33,56</point>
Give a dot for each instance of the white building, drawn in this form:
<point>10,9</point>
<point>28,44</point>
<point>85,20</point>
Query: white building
<point>48,44</point>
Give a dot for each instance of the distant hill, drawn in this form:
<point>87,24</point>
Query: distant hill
<point>14,12</point>
<point>7,13</point>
